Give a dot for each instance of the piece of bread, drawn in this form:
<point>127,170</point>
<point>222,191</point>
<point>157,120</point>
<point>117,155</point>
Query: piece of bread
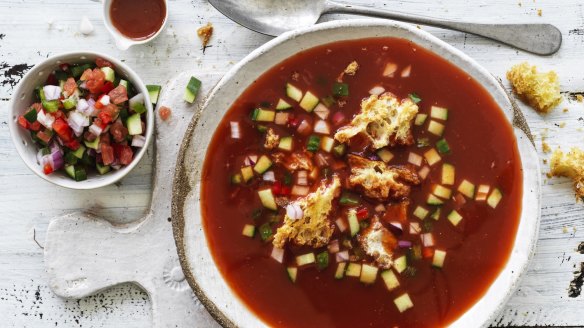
<point>569,165</point>
<point>540,90</point>
<point>379,243</point>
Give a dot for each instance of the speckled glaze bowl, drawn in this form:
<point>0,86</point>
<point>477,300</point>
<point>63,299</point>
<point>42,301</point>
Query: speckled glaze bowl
<point>23,97</point>
<point>196,260</point>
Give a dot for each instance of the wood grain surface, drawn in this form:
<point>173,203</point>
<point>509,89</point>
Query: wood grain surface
<point>31,30</point>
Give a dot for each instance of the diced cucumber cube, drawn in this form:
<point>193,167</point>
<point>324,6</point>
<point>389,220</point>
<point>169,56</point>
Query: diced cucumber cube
<point>368,274</point>
<point>420,212</point>
<point>137,103</point>
<point>467,188</point>
<point>340,272</point>
<point>51,106</point>
<point>400,264</point>
<point>436,214</point>
<point>353,270</point>
<point>247,173</point>
<point>442,191</point>
<point>448,174</point>
<point>440,113</point>
<point>283,104</point>
<point>80,174</point>
<point>285,143</point>
<point>432,157</point>
<point>403,303</point>
<point>292,273</point>
<point>70,170</point>
<point>134,124</point>
<point>305,259</point>
<point>390,279</point>
<point>438,259</point>
<point>192,89</point>
<point>31,115</point>
<point>79,152</point>
<point>262,165</point>
<point>110,74</point>
<point>70,102</point>
<point>433,200</point>
<point>267,199</point>
<point>124,83</point>
<point>102,169</point>
<point>494,198</point>
<point>263,115</point>
<point>353,222</point>
<point>70,158</point>
<point>385,155</point>
<point>153,92</point>
<point>454,217</point>
<point>436,128</point>
<point>309,101</point>
<point>248,230</point>
<point>93,144</point>
<point>293,92</point>
<point>420,119</point>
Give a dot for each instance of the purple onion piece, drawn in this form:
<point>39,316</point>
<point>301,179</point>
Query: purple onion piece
<point>404,243</point>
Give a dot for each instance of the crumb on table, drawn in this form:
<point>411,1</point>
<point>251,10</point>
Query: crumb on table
<point>579,98</point>
<point>569,165</point>
<point>540,90</point>
<point>205,33</point>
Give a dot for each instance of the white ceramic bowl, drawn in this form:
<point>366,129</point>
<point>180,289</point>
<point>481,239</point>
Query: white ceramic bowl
<point>196,259</point>
<point>22,98</point>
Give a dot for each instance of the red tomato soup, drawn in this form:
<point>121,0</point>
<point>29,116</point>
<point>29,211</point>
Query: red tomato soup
<point>363,183</point>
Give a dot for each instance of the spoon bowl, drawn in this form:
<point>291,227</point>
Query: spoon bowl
<point>274,17</point>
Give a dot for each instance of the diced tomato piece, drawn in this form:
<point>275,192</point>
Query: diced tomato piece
<point>105,138</point>
<point>35,126</point>
<point>98,105</point>
<point>164,112</point>
<point>105,117</point>
<point>95,81</point>
<point>47,169</point>
<point>362,213</point>
<point>63,130</point>
<point>285,190</point>
<point>118,131</point>
<point>107,87</point>
<point>293,121</point>
<point>73,144</point>
<point>37,106</point>
<point>52,80</point>
<point>277,188</point>
<point>99,123</point>
<point>118,95</point>
<point>124,154</point>
<point>44,136</point>
<point>59,114</point>
<point>89,136</point>
<point>100,62</point>
<point>70,86</point>
<point>86,75</point>
<point>108,113</point>
<point>427,252</point>
<point>396,212</point>
<point>23,122</point>
<point>107,154</point>
<point>64,67</point>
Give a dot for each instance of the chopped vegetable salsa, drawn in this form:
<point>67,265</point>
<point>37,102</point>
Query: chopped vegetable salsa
<point>86,118</point>
<point>362,183</point>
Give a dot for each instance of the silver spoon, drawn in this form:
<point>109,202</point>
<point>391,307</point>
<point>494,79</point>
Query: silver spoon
<point>274,17</point>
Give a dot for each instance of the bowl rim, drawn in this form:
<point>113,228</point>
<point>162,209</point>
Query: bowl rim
<point>182,191</point>
<point>108,178</point>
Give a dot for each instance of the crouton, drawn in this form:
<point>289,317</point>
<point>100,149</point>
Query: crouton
<point>540,90</point>
<point>377,180</point>
<point>379,243</point>
<point>352,68</point>
<point>272,139</point>
<point>294,162</point>
<point>569,165</point>
<point>205,33</point>
<point>384,119</point>
<point>314,228</point>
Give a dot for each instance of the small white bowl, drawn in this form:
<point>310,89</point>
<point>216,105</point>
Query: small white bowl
<point>122,41</point>
<point>22,98</point>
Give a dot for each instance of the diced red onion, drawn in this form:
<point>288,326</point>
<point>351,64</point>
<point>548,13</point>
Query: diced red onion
<point>302,178</point>
<point>321,111</point>
<point>294,211</point>
<point>304,128</point>
<point>278,254</point>
<point>377,90</point>
<point>299,190</point>
<point>138,141</point>
<point>269,176</point>
<point>333,246</point>
<point>423,173</point>
<point>338,118</point>
<point>82,105</point>
<point>459,199</point>
<point>105,100</point>
<point>250,160</point>
<point>404,243</point>
<point>54,147</point>
<point>77,122</point>
<point>342,256</point>
<point>406,71</point>
<point>46,119</point>
<point>415,159</point>
<point>91,152</point>
<point>341,224</point>
<point>396,228</point>
<point>322,127</point>
<point>95,130</point>
<point>390,68</point>
<point>52,92</point>
<point>321,160</point>
<point>91,111</point>
<point>57,160</point>
<point>427,239</point>
<point>235,133</point>
<point>47,159</point>
<point>281,118</point>
<point>116,166</point>
<point>415,228</point>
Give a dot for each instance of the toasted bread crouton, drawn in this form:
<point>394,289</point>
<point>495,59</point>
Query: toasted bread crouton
<point>540,90</point>
<point>375,179</point>
<point>352,68</point>
<point>384,119</point>
<point>379,243</point>
<point>314,228</point>
<point>294,162</point>
<point>569,165</point>
<point>272,139</point>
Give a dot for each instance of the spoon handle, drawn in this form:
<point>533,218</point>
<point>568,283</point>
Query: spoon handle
<point>541,39</point>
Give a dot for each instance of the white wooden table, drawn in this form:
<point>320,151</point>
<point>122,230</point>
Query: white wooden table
<point>27,202</point>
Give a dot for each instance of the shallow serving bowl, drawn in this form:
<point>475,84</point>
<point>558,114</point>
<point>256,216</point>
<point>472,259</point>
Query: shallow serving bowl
<point>23,96</point>
<point>195,256</point>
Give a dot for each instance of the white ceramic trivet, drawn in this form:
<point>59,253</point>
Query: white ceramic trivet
<point>85,254</point>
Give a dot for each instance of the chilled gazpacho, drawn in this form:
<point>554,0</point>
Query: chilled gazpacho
<point>362,183</point>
